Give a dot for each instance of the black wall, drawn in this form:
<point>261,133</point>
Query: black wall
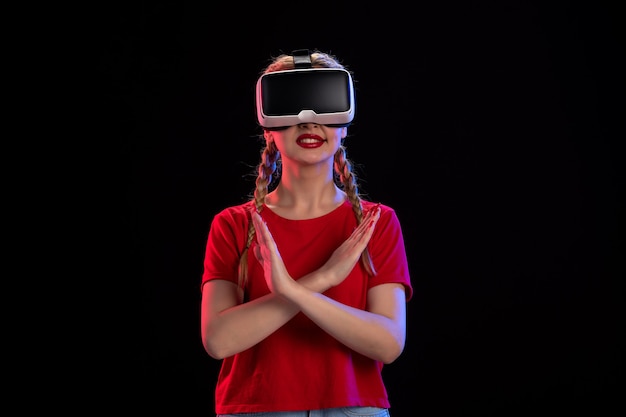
<point>492,129</point>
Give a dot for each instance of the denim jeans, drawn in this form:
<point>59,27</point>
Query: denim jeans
<point>328,412</point>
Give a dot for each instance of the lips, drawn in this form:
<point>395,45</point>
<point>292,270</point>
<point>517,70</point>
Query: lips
<point>309,140</point>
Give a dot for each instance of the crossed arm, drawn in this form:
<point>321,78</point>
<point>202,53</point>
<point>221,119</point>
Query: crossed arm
<point>377,332</point>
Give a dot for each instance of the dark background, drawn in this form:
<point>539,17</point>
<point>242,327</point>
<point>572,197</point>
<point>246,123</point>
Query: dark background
<point>492,128</point>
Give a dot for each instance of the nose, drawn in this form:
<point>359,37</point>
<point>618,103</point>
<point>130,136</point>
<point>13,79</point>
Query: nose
<point>308,125</point>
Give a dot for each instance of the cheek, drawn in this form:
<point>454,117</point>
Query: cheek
<point>280,137</point>
<point>335,133</point>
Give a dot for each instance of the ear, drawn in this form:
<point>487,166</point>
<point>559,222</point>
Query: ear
<point>267,134</point>
<point>344,132</point>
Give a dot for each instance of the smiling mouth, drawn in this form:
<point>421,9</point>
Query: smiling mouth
<point>310,140</point>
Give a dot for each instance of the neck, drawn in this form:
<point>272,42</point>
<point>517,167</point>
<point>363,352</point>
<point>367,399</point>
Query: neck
<point>304,199</point>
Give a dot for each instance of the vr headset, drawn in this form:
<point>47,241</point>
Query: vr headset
<point>305,95</point>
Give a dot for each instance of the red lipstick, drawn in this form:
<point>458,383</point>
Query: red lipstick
<point>309,140</point>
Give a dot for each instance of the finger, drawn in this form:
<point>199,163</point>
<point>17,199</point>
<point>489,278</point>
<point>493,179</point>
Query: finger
<point>264,236</point>
<point>259,226</point>
<point>373,212</point>
<point>366,229</point>
<point>257,253</point>
<point>368,222</point>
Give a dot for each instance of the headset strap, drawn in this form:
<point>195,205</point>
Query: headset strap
<point>302,58</point>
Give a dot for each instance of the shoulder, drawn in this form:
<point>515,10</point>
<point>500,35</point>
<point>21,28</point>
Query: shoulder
<point>237,210</point>
<point>385,210</point>
<point>388,223</point>
<point>234,214</point>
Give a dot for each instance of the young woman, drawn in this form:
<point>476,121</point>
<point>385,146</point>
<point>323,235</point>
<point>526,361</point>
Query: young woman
<point>305,286</point>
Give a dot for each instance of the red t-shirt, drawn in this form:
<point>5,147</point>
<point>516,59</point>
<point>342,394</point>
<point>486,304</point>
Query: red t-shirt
<point>299,366</point>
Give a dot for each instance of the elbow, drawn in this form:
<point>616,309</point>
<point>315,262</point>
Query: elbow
<point>391,353</point>
<point>391,349</point>
<point>213,348</point>
<point>210,349</point>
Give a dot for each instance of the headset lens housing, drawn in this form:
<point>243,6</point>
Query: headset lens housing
<point>317,95</point>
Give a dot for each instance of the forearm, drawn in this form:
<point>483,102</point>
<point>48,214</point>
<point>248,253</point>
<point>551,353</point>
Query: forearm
<point>373,335</point>
<point>241,326</point>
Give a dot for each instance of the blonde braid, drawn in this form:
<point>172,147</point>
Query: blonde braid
<point>266,169</point>
<point>348,182</point>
